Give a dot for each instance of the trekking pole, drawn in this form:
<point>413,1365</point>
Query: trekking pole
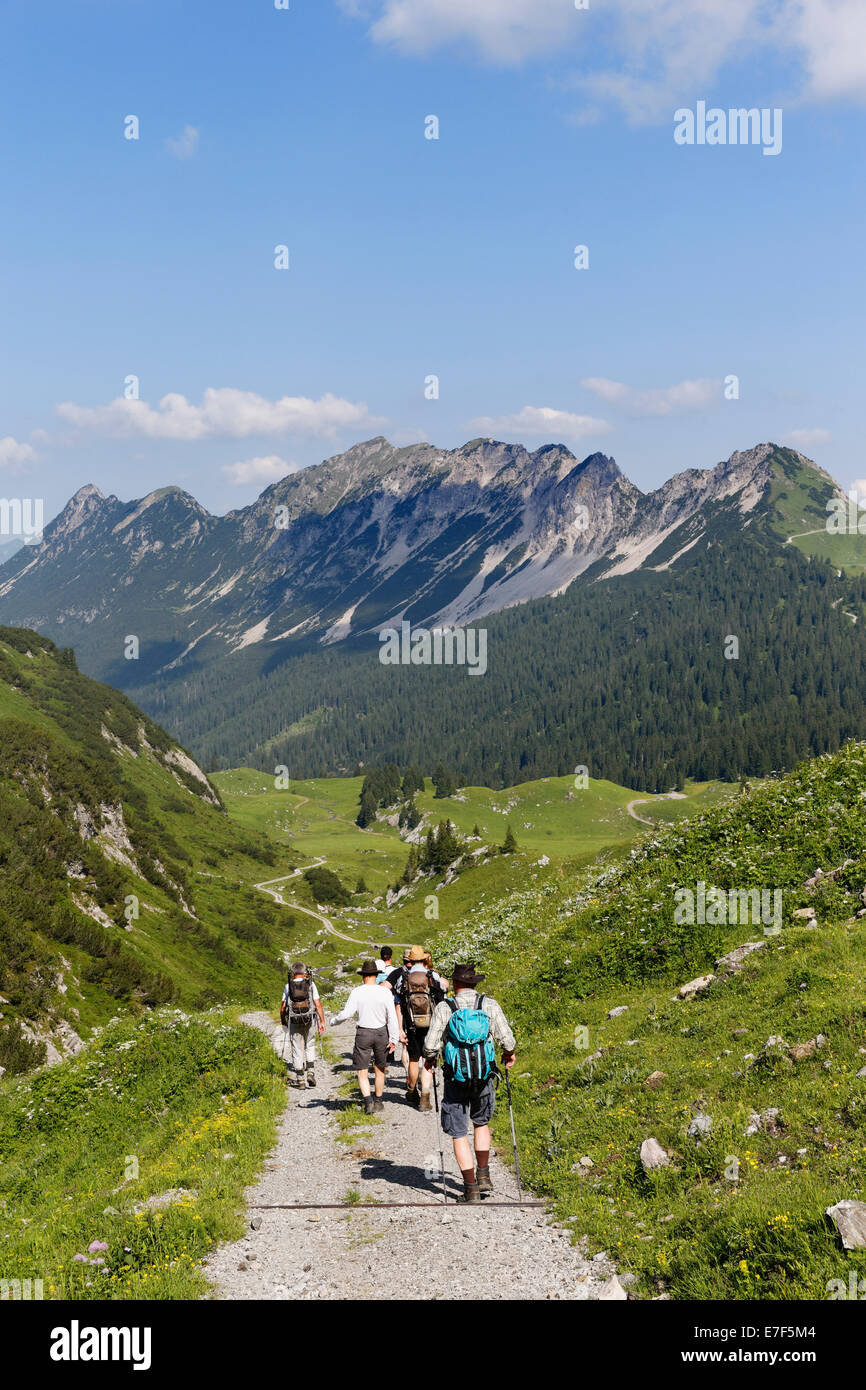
<point>439,1128</point>
<point>513,1136</point>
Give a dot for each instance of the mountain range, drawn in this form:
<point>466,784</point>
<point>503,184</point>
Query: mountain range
<point>368,538</point>
<point>237,620</point>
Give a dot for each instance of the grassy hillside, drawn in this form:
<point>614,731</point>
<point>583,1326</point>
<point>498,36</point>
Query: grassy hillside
<point>733,1214</point>
<point>123,883</point>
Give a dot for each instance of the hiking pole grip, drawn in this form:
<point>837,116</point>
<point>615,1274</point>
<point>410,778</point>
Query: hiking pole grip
<point>513,1136</point>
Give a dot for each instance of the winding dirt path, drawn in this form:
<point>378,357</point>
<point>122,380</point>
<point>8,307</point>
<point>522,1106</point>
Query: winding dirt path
<point>645,800</point>
<point>330,929</point>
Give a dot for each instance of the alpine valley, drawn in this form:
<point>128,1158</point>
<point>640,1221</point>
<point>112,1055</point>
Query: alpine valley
<point>609,613</point>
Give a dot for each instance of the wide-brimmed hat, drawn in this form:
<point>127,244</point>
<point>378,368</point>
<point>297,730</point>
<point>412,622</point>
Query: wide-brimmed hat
<point>369,968</point>
<point>415,953</point>
<point>465,975</point>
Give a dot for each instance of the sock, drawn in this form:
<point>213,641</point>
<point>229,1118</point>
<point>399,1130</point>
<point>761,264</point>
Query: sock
<point>482,1160</point>
<point>468,1175</point>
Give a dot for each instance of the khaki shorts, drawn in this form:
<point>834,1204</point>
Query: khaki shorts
<point>371,1045</point>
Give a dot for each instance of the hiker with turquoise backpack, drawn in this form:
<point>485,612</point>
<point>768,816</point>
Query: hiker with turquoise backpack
<point>468,1027</point>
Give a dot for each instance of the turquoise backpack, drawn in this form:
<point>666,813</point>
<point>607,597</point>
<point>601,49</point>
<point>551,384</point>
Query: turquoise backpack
<point>470,1057</point>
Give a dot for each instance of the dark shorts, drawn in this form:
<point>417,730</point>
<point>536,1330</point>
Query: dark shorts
<point>460,1104</point>
<point>415,1045</point>
<point>371,1045</point>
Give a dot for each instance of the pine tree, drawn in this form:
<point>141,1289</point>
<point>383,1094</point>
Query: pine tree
<point>367,813</point>
<point>509,845</point>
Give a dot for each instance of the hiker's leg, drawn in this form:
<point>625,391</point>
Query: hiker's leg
<point>426,1081</point>
<point>465,1157</point>
<point>312,1034</point>
<point>482,1110</point>
<point>379,1075</point>
<point>482,1143</point>
<point>412,1075</point>
<point>297,1045</point>
<point>364,1081</point>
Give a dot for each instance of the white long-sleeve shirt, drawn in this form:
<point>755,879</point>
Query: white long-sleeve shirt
<point>374,1007</point>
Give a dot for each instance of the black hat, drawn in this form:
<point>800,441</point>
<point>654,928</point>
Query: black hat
<point>465,976</point>
<point>368,968</point>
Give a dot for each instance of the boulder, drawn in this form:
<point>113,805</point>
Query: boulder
<point>849,1219</point>
<point>612,1291</point>
<point>688,991</point>
<point>700,1127</point>
<point>800,1051</point>
<point>775,1046</point>
<point>767,1122</point>
<point>655,1079</point>
<point>732,963</point>
<point>620,1009</point>
<point>652,1155</point>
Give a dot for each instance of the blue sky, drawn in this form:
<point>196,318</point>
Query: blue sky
<point>411,257</point>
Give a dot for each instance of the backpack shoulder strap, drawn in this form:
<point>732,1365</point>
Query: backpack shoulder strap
<point>452,1004</point>
<point>479,1000</point>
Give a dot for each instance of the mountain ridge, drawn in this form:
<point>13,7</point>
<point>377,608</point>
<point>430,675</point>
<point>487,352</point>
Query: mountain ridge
<point>369,537</point>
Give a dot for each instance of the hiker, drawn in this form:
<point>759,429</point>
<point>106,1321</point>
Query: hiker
<point>467,1026</point>
<point>376,1034</point>
<point>417,990</point>
<point>385,964</point>
<point>298,1012</point>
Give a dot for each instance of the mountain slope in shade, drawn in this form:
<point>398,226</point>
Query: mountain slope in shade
<point>368,538</point>
<point>123,884</point>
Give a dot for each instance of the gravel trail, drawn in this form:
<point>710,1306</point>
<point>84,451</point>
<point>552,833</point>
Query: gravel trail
<point>361,1252</point>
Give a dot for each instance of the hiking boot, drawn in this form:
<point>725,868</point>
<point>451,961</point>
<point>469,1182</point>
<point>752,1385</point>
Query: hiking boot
<point>378,1103</point>
<point>311,1077</point>
<point>471,1193</point>
<point>368,1105</point>
<point>425,1102</point>
<point>484,1182</point>
<point>411,1096</point>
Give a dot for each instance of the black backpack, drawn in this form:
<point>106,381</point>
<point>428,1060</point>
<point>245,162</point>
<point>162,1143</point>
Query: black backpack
<point>300,1001</point>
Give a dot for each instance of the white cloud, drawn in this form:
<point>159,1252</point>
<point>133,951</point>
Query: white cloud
<point>660,400</point>
<point>184,146</point>
<point>14,454</point>
<point>504,31</point>
<point>644,56</point>
<point>224,413</point>
<point>267,469</point>
<point>832,38</point>
<point>541,421</point>
<point>807,439</point>
<point>859,487</point>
